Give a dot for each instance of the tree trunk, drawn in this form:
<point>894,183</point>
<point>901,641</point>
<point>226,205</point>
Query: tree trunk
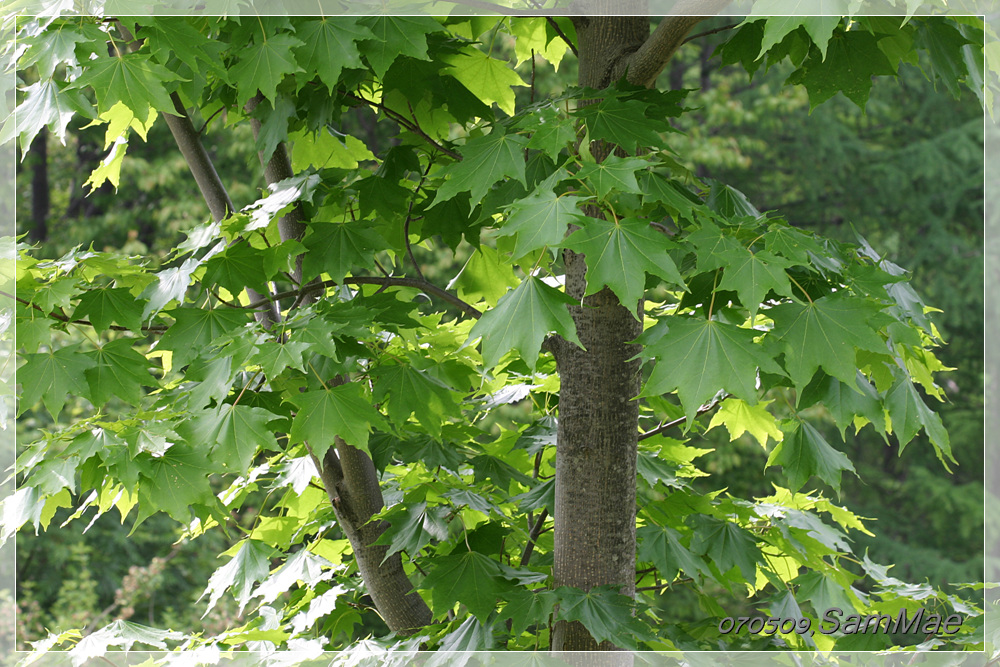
<point>598,420</point>
<point>351,481</point>
<point>348,474</point>
<point>40,200</point>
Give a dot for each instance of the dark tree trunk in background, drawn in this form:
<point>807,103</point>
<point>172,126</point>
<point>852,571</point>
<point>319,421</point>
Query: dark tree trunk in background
<point>38,158</point>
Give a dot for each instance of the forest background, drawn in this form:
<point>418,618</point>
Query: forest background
<point>908,172</point>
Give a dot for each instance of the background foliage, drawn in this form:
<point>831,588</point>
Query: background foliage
<point>758,137</point>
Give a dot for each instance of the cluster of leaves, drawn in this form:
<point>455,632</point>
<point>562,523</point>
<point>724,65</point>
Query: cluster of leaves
<point>739,309</point>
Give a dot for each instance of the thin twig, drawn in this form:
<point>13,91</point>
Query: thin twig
<point>62,318</point>
<point>559,31</point>
<point>709,32</point>
<point>389,281</point>
<point>402,120</point>
<point>409,217</point>
<point>680,420</point>
<point>205,126</point>
<point>536,530</point>
<point>662,586</point>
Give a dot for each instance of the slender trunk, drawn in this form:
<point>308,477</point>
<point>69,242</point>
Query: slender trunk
<point>598,420</point>
<point>352,483</point>
<point>349,475</point>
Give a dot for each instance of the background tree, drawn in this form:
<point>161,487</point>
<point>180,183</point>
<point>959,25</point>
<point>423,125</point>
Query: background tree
<point>748,310</point>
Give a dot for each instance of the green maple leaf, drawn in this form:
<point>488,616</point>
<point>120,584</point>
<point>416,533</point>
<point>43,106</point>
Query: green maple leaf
<point>471,635</point>
<point>489,79</point>
<point>822,591</point>
<point>727,545</point>
<point>753,275</point>
<point>486,160</point>
<point>235,434</point>
<point>820,29</point>
<point>170,285</point>
<point>383,196</point>
<point>331,46</point>
<point>622,122</point>
<point>396,36</point>
<point>262,66</point>
<point>551,130</point>
<point>614,173</point>
<point>337,248</point>
<point>946,47</point>
<point>653,469</point>
<point>713,248</point>
<point>744,47</point>
<point>541,220</point>
<point>251,564</point>
<point>804,452</point>
<point>526,608</point>
<point>212,380</point>
<point>133,79</point>
<point>522,319</point>
<point>791,243</point>
<point>486,467</point>
<point>175,481</point>
<point>411,392</point>
<point>698,358</point>
<point>237,267</point>
<point>740,418</point>
<point>176,35</point>
<point>412,526</point>
<point>909,413</point>
<point>606,613</point>
<point>107,305</point>
<point>846,403</point>
<point>194,330</point>
<point>485,277</point>
<point>675,197</point>
<point>852,59</point>
<point>338,412</point>
<point>661,546</point>
<point>122,634</point>
<point>826,333</point>
<point>118,371</point>
<point>729,202</point>
<point>50,376</point>
<point>45,104</point>
<point>542,496</point>
<point>471,578</point>
<point>56,46</point>
<point>620,253</point>
<point>274,357</point>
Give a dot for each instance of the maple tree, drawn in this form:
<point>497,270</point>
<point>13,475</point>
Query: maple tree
<point>292,355</point>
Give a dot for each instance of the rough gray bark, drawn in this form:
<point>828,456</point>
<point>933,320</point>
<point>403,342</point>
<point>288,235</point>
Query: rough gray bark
<point>595,488</point>
<point>348,474</point>
<point>351,481</point>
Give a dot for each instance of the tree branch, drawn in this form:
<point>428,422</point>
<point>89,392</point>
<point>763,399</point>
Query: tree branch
<point>709,32</point>
<point>63,318</point>
<point>646,64</point>
<point>536,530</point>
<point>409,217</point>
<point>559,31</point>
<point>405,122</point>
<point>686,580</point>
<point>387,281</point>
<point>188,140</point>
<point>708,407</point>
